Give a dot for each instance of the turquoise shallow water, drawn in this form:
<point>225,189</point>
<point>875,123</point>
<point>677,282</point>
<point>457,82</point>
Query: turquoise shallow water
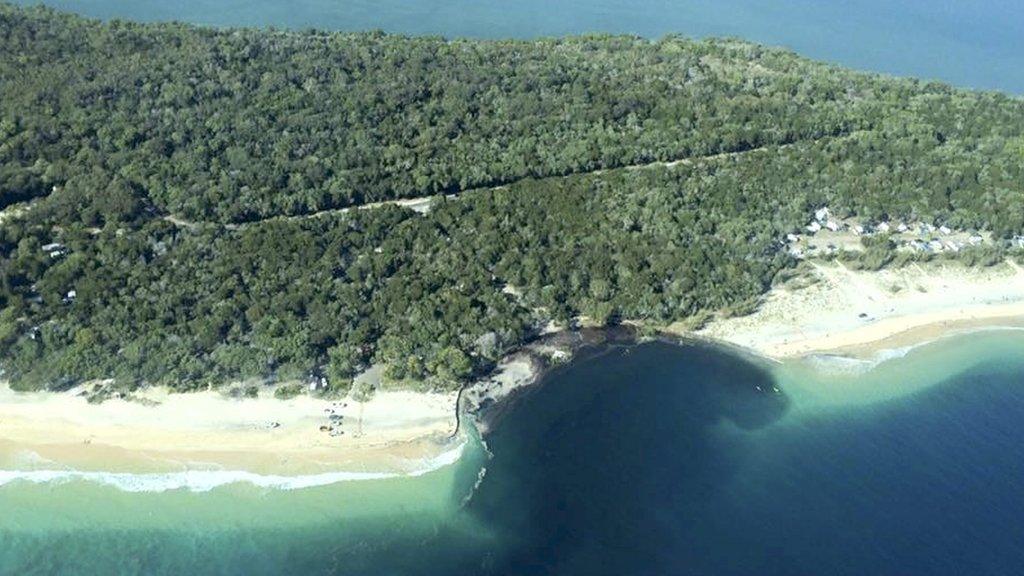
<point>972,43</point>
<point>352,527</point>
<point>655,459</point>
<point>651,460</point>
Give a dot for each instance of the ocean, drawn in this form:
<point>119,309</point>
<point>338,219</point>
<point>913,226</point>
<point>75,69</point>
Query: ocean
<point>969,43</point>
<point>658,458</point>
<point>642,460</point>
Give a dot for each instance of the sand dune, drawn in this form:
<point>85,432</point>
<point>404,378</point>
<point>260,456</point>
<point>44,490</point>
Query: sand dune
<point>856,312</point>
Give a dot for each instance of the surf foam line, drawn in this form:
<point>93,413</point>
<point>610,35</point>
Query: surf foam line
<point>838,364</point>
<point>206,480</point>
<point>482,473</point>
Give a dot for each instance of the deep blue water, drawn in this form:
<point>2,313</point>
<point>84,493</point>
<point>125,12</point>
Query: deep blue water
<point>651,460</point>
<point>667,460</point>
<point>971,43</point>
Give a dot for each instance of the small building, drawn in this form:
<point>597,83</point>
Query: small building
<point>882,227</point>
<point>813,227</point>
<point>901,227</point>
<point>945,230</point>
<point>858,229</point>
<point>52,246</point>
<point>935,246</point>
<point>975,240</point>
<point>821,214</point>
<point>832,225</point>
<point>792,237</point>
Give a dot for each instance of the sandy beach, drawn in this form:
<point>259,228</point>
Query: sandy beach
<point>830,308</point>
<point>157,431</point>
<point>837,310</point>
<point>393,432</point>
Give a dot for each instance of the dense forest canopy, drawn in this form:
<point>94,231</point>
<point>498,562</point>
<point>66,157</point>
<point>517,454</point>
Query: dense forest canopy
<point>150,166</point>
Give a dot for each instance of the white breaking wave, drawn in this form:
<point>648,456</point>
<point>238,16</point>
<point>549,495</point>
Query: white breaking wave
<point>206,480</point>
<point>480,475</point>
<point>833,363</point>
<point>895,353</point>
<point>845,364</point>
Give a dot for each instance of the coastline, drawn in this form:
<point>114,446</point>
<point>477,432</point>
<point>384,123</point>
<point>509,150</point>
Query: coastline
<point>395,433</point>
<point>835,310</point>
<point>199,440</point>
<point>829,310</point>
<point>202,439</point>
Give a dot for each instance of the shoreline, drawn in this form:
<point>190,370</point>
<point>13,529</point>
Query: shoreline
<point>396,433</point>
<point>839,311</point>
<point>911,332</point>
<point>203,439</point>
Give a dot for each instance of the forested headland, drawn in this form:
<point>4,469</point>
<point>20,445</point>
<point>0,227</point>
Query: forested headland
<point>147,168</point>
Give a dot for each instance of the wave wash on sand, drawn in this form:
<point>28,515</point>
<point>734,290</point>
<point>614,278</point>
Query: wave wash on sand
<point>206,480</point>
<point>863,314</point>
<point>157,431</point>
<point>838,320</point>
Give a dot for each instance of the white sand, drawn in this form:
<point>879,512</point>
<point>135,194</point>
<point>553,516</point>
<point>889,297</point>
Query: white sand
<point>386,433</point>
<point>851,311</point>
<point>395,430</point>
